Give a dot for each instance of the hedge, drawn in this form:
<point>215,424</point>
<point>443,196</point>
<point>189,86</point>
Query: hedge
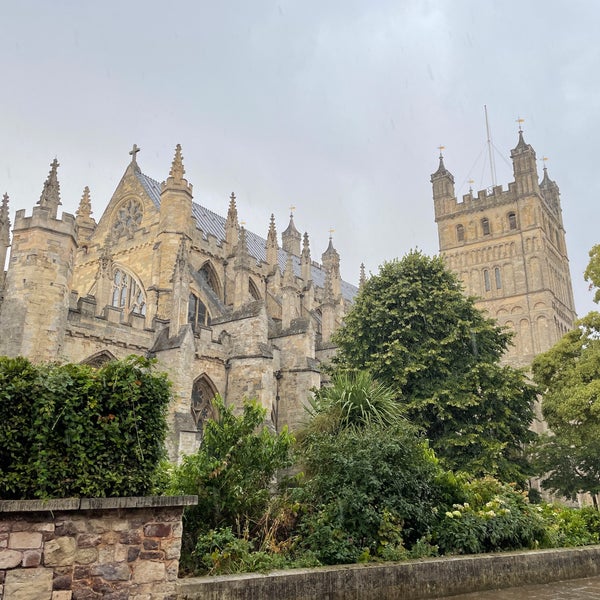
<point>74,430</point>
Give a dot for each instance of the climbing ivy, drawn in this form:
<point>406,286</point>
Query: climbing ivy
<point>72,430</point>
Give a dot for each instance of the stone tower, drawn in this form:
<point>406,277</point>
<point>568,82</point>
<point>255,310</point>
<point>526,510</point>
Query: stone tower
<point>508,247</point>
<point>33,314</point>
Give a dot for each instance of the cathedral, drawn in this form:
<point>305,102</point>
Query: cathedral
<point>508,247</point>
<point>222,309</point>
<point>226,311</point>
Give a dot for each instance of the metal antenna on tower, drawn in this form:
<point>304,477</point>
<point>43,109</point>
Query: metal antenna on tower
<point>490,150</point>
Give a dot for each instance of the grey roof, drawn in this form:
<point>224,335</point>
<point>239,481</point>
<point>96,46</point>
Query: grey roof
<point>210,223</point>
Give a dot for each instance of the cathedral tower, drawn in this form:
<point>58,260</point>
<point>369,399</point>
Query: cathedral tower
<point>508,247</point>
<point>33,314</point>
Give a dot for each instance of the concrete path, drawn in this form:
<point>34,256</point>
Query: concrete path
<point>576,589</point>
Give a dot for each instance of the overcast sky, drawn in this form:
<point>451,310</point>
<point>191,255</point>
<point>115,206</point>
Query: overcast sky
<point>336,107</point>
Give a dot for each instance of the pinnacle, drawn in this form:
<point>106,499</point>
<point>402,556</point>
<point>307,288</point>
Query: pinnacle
<point>177,171</point>
<point>50,197</point>
<point>85,205</point>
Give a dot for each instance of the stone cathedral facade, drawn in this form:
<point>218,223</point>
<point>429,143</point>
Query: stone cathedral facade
<point>221,308</point>
<point>508,247</point>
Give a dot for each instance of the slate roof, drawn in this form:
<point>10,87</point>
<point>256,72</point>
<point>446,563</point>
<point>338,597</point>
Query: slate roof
<point>210,223</point>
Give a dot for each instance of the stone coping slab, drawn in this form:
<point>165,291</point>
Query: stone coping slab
<point>68,504</point>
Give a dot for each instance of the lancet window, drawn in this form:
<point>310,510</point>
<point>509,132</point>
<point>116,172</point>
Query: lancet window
<point>485,226</point>
<point>198,314</point>
<point>460,233</point>
<point>512,220</point>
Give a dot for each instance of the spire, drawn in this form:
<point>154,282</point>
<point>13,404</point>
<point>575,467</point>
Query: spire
<point>241,259</point>
<point>85,206</point>
<point>442,171</point>
<point>175,180</point>
<point>306,260</point>
<point>177,171</point>
<point>290,238</point>
<point>363,278</point>
<point>272,245</point>
<point>231,224</point>
<point>331,254</point>
<point>85,223</point>
<point>4,227</point>
<point>50,197</point>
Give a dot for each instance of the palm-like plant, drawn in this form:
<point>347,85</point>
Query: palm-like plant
<point>353,400</point>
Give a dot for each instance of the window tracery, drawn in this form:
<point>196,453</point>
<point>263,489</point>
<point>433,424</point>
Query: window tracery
<point>201,404</point>
<point>198,314</point>
<point>128,218</point>
<point>128,293</point>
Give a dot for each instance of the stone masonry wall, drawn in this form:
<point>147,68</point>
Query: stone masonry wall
<point>83,549</point>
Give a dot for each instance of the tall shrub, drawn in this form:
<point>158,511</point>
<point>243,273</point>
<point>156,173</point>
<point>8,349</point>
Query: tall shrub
<point>72,430</point>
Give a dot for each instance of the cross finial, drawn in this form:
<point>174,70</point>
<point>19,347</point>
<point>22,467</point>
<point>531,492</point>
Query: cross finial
<point>471,182</point>
<point>243,223</point>
<point>520,122</point>
<point>134,152</point>
<point>292,209</point>
<point>232,197</point>
<point>440,148</point>
<point>331,232</point>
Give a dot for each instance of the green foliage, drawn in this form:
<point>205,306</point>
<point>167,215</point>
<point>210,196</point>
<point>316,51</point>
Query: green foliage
<point>370,492</point>
<point>592,272</point>
<point>71,430</point>
<point>412,327</point>
<point>494,517</point>
<point>570,526</point>
<point>353,400</point>
<point>221,551</point>
<point>569,377</point>
<point>232,473</point>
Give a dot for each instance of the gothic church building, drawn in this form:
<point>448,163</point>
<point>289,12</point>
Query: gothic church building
<point>222,309</point>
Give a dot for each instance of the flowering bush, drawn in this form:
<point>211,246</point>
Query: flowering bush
<point>495,517</point>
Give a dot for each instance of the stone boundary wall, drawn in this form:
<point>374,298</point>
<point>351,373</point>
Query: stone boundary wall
<point>410,580</point>
<point>88,548</point>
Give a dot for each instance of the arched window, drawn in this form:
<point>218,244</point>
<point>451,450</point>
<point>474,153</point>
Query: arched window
<point>486,281</point>
<point>498,277</point>
<point>198,314</point>
<point>128,293</point>
<point>460,233</point>
<point>485,226</point>
<point>203,392</point>
<point>253,290</point>
<point>99,359</point>
<point>512,220</point>
<point>209,275</point>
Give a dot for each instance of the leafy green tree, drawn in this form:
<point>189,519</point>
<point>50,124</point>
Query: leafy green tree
<point>592,272</point>
<point>569,376</point>
<point>232,473</point>
<point>414,329</point>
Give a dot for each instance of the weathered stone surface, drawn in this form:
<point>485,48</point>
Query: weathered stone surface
<point>59,552</point>
<point>32,558</point>
<point>62,595</point>
<point>157,530</point>
<point>9,559</point>
<point>25,540</point>
<point>148,571</point>
<point>85,556</point>
<point>112,571</point>
<point>62,582</point>
<point>28,584</point>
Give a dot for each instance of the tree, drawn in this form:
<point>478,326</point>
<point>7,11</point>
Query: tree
<point>569,376</point>
<point>592,272</point>
<point>414,329</point>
